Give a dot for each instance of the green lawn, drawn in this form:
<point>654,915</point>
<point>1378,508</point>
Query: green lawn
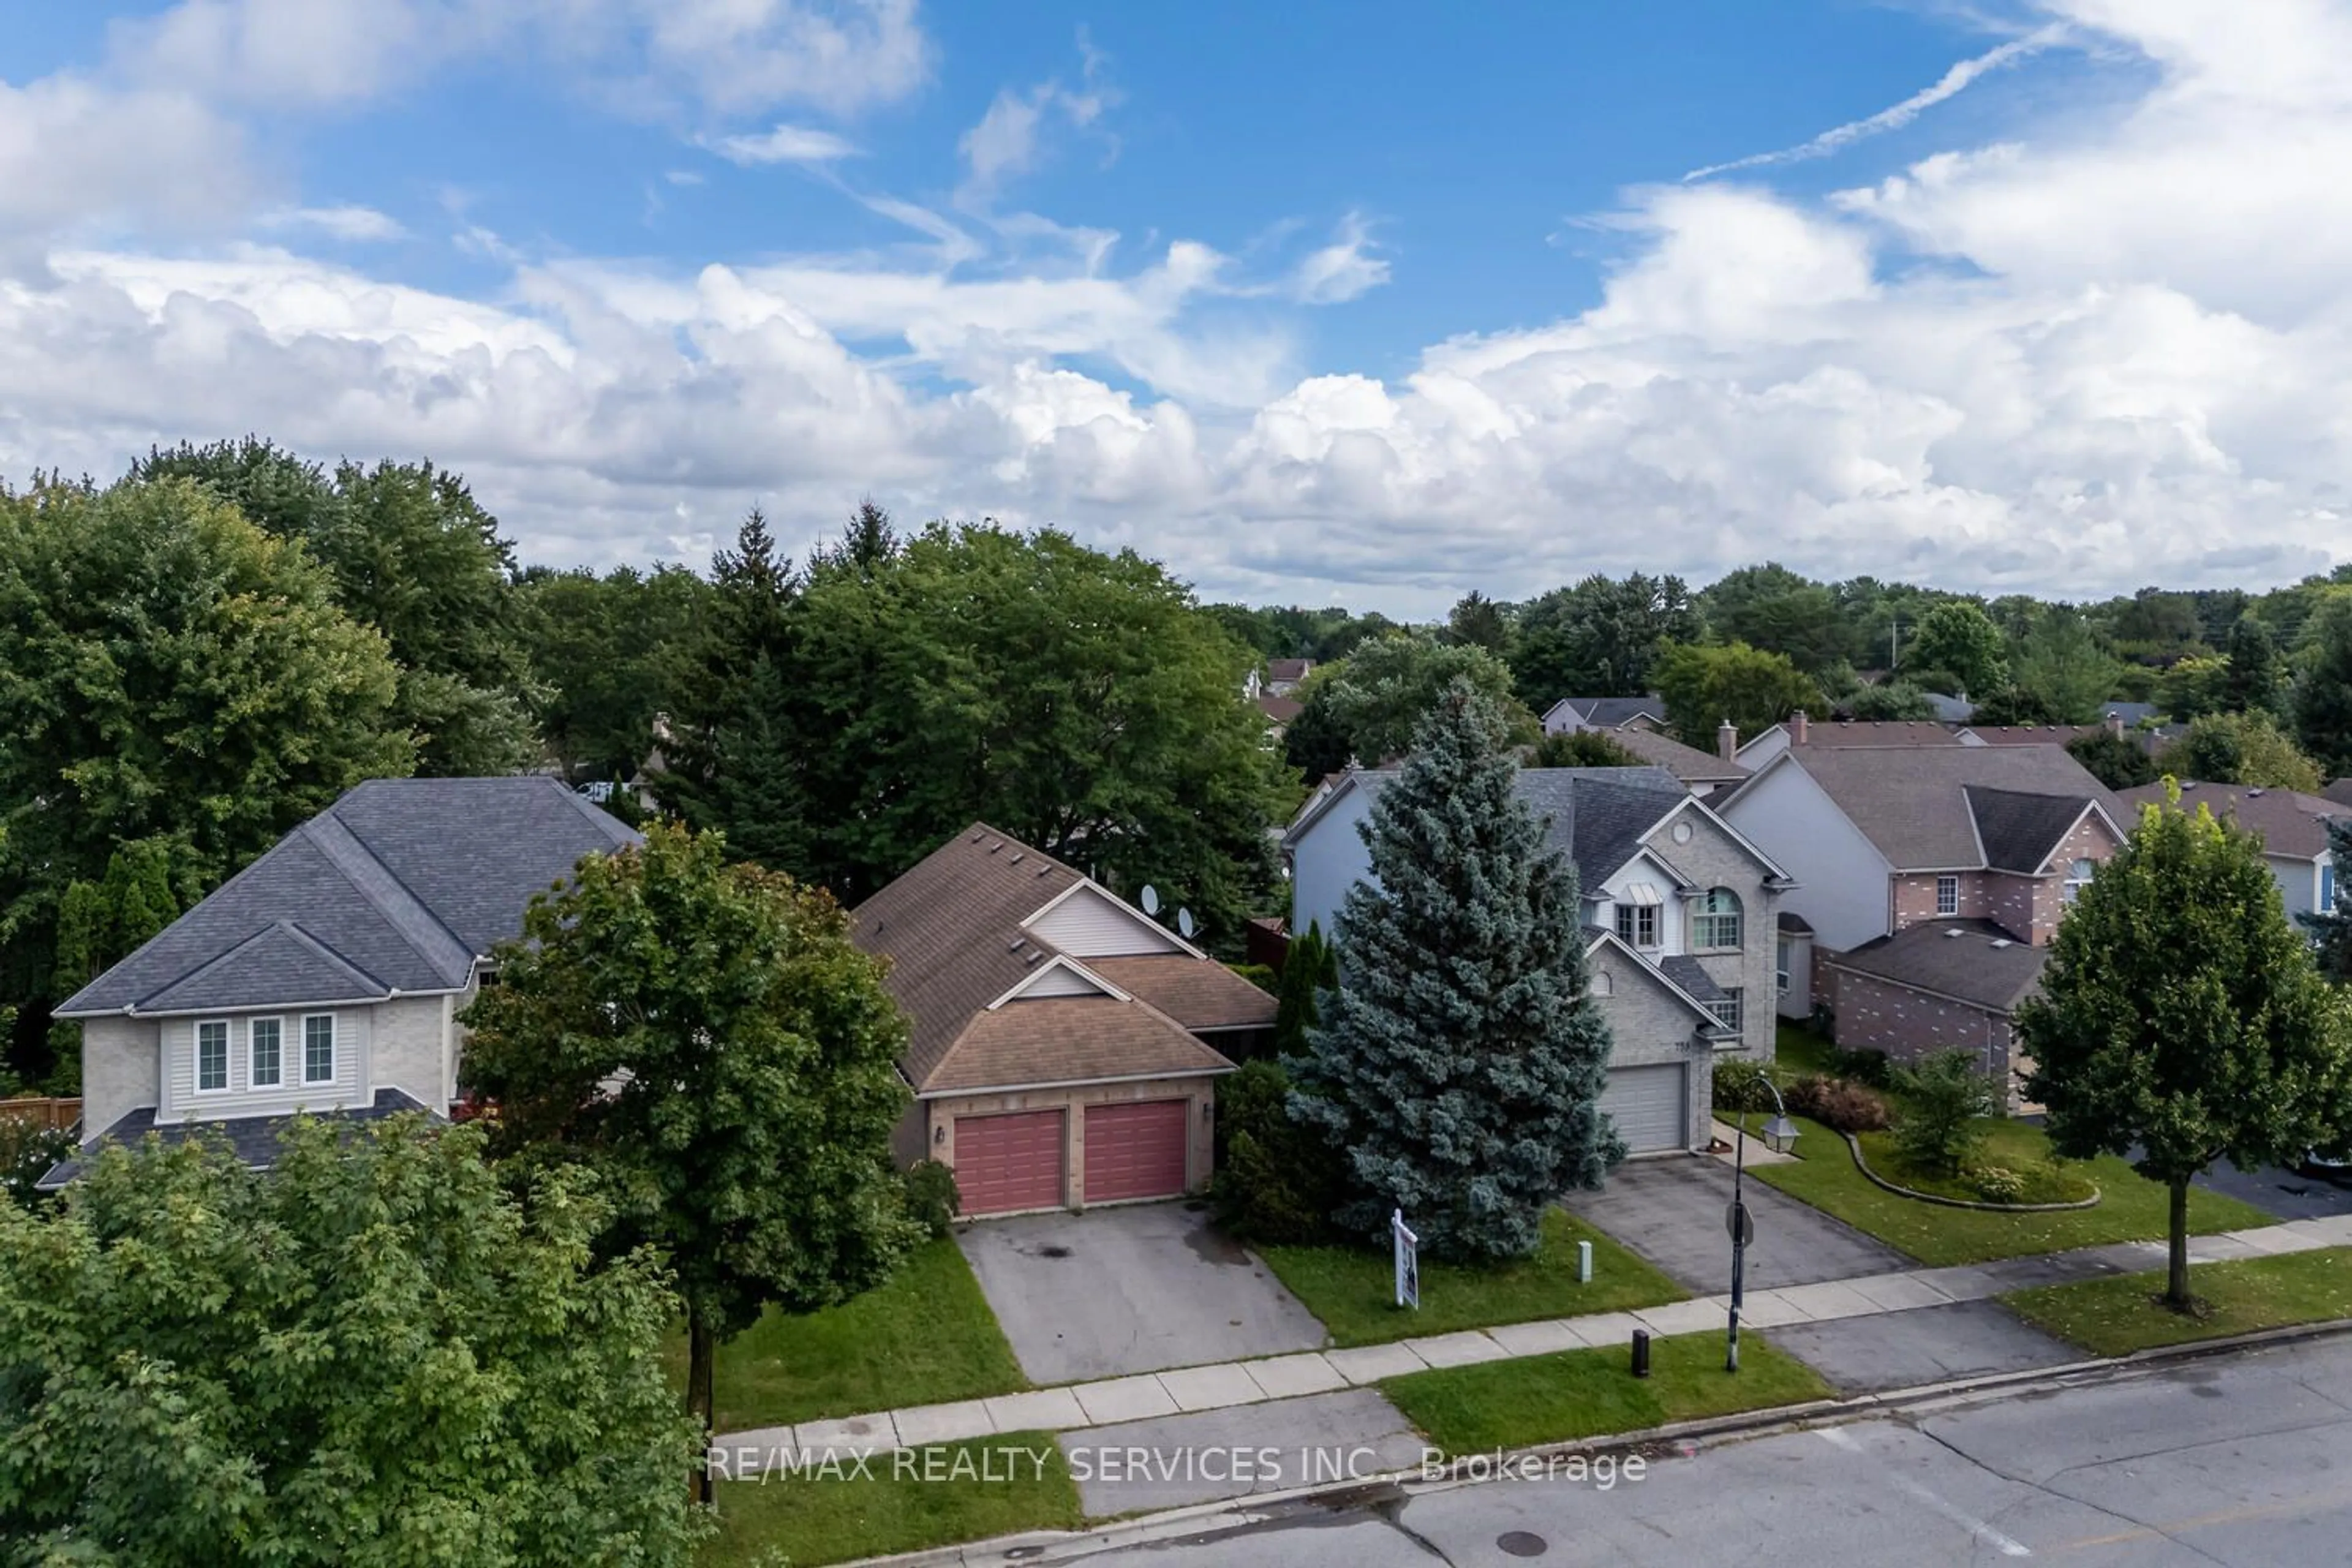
<point>2121,1314</point>
<point>1798,1052</point>
<point>1352,1289</point>
<point>912,1500</point>
<point>1590,1394</point>
<point>2131,1208</point>
<point>2010,1144</point>
<point>924,1337</point>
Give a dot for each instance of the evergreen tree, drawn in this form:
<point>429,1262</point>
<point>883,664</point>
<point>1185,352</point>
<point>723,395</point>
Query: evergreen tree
<point>1459,1066</point>
<point>2332,926</point>
<point>1310,969</point>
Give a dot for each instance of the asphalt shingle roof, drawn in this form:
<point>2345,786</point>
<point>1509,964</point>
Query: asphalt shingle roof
<point>1595,816</point>
<point>253,1139</point>
<point>1609,712</point>
<point>2018,830</point>
<point>1687,764</point>
<point>2292,824</point>
<point>1972,961</point>
<point>398,886</point>
<point>1912,802</point>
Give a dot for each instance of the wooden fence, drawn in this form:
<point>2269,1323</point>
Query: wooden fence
<point>60,1114</point>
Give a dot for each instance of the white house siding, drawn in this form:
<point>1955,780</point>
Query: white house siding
<point>409,1035</point>
<point>1088,924</point>
<point>1841,875</point>
<point>1061,981</point>
<point>349,1087</point>
<point>1672,923</point>
<point>119,1069</point>
<point>2298,883</point>
<point>1648,1024</point>
<point>1713,859</point>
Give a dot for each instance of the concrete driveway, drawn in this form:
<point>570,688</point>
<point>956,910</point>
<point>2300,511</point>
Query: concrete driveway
<point>1121,1291</point>
<point>1669,1210</point>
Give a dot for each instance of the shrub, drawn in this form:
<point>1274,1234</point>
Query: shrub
<point>931,1196</point>
<point>1839,1104</point>
<point>27,1153</point>
<point>1741,1085</point>
<point>1998,1183</point>
<point>1863,1066</point>
<point>1945,1101</point>
<point>1275,1181</point>
<point>1259,974</point>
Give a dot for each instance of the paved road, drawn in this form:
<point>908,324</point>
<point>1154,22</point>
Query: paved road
<point>2235,1461</point>
<point>1669,1210</point>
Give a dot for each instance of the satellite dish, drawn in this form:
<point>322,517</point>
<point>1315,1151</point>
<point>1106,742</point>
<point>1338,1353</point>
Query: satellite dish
<point>1184,923</point>
<point>1150,899</point>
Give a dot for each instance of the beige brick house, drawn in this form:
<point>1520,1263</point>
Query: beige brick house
<point>1931,881</point>
<point>1065,1045</point>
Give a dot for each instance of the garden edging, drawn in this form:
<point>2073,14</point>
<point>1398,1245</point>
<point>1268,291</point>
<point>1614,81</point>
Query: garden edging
<point>1854,1145</point>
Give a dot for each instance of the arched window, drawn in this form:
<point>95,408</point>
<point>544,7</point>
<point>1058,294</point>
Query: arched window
<point>1715,919</point>
<point>2078,876</point>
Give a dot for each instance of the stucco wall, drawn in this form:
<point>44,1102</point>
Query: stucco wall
<point>119,1070</point>
<point>1198,1094</point>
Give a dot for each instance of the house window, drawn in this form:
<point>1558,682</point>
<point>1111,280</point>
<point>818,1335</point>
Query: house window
<point>1781,966</point>
<point>2327,888</point>
<point>1715,919</point>
<point>266,1053</point>
<point>1726,1009</point>
<point>1947,895</point>
<point>318,1049</point>
<point>212,1056</point>
<point>2078,876</point>
<point>1638,923</point>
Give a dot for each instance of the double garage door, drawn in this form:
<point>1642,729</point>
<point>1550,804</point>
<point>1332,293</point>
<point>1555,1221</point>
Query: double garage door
<point>1650,1106</point>
<point>1016,1161</point>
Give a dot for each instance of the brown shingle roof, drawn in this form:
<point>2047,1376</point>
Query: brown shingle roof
<point>1912,802</point>
<point>2292,824</point>
<point>1837,734</point>
<point>1687,764</point>
<point>1197,994</point>
<point>1067,1039</point>
<point>951,929</point>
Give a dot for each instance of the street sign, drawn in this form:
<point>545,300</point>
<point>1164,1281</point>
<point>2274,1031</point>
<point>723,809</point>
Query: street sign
<point>1408,1261</point>
<point>1738,1224</point>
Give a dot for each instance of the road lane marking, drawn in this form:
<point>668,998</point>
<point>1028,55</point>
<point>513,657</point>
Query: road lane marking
<point>2008,1546</point>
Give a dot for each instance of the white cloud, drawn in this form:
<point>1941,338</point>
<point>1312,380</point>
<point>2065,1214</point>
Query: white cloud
<point>348,223</point>
<point>1010,139</point>
<point>2111,352</point>
<point>783,144</point>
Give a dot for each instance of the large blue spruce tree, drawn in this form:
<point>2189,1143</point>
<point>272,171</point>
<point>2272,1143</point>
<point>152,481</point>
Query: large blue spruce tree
<point>1459,1064</point>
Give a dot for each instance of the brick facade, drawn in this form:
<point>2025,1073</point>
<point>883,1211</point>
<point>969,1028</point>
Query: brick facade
<point>1879,1015</point>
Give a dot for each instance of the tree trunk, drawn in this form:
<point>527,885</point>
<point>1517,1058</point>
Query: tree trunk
<point>702,1350</point>
<point>2176,1289</point>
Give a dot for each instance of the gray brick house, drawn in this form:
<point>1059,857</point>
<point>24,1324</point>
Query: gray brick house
<point>1678,909</point>
<point>326,976</point>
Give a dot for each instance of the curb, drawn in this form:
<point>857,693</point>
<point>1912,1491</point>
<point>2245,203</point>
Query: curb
<point>1854,1144</point>
<point>1232,1514</point>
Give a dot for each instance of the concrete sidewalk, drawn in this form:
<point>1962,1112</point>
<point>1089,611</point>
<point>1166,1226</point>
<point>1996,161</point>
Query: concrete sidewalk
<point>1222,1385</point>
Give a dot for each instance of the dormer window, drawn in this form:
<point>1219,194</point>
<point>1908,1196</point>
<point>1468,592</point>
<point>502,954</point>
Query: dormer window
<point>1638,924</point>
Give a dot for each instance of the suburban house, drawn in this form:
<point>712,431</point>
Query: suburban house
<point>2293,826</point>
<point>1832,734</point>
<point>1701,773</point>
<point>326,976</point>
<point>1280,677</point>
<point>1571,714</point>
<point>1065,1046</point>
<point>1678,909</point>
<point>1931,881</point>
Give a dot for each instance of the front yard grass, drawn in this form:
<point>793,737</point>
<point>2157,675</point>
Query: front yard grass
<point>923,1337</point>
<point>2119,1315</point>
<point>2130,1206</point>
<point>1798,1052</point>
<point>1352,1288</point>
<point>1590,1394</point>
<point>809,1519</point>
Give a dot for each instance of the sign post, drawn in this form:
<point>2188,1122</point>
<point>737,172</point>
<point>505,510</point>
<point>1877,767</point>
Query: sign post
<point>1408,1261</point>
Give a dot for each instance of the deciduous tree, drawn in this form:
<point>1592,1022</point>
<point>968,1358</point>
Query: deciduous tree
<point>1458,1067</point>
<point>1958,640</point>
<point>1387,685</point>
<point>1705,686</point>
<point>704,1037</point>
<point>2241,749</point>
<point>2181,1019</point>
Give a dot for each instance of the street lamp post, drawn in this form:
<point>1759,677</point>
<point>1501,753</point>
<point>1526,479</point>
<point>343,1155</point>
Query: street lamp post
<point>1779,1134</point>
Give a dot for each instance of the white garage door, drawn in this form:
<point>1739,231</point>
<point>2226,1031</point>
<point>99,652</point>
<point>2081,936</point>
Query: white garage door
<point>1649,1108</point>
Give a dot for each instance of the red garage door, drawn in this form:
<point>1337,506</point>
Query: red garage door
<point>1135,1151</point>
<point>1009,1162</point>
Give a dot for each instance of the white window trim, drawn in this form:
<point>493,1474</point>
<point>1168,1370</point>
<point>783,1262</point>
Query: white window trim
<point>1943,879</point>
<point>1704,919</point>
<point>1638,911</point>
<point>252,1078</point>
<point>1738,1000</point>
<point>196,1057</point>
<point>333,1046</point>
<point>1781,956</point>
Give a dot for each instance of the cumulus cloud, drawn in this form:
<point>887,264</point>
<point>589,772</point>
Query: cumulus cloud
<point>2096,354</point>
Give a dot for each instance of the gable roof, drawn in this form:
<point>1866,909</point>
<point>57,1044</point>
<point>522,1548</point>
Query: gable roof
<point>1914,805</point>
<point>959,930</point>
<point>1687,764</point>
<point>399,886</point>
<point>2019,830</point>
<point>1970,961</point>
<point>2294,825</point>
<point>1610,712</point>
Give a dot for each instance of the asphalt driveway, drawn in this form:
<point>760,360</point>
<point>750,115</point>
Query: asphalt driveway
<point>1671,1210</point>
<point>1121,1291</point>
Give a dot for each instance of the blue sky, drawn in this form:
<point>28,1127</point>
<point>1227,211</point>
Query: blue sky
<point>1372,302</point>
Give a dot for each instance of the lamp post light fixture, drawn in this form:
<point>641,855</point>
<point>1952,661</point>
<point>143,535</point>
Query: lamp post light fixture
<point>1779,1134</point>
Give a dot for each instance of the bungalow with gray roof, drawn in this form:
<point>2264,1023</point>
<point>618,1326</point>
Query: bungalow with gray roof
<point>326,976</point>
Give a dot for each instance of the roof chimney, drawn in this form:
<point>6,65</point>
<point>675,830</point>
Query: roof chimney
<point>1726,741</point>
<point>1797,727</point>
<point>2116,725</point>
